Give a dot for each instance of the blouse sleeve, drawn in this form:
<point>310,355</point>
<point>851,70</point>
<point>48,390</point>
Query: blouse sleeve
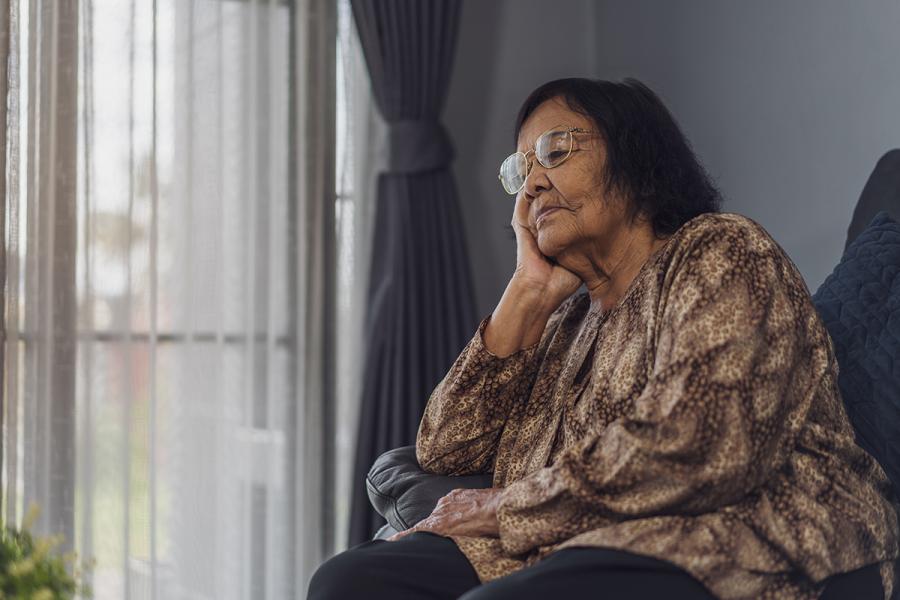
<point>733,376</point>
<point>465,415</point>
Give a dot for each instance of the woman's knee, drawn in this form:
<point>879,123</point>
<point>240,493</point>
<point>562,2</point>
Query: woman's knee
<point>500,590</point>
<point>348,574</point>
<point>430,564</point>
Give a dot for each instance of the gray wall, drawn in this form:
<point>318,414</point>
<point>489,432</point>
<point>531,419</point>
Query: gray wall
<point>505,49</point>
<point>788,104</point>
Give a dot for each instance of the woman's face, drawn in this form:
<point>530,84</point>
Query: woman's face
<point>585,218</point>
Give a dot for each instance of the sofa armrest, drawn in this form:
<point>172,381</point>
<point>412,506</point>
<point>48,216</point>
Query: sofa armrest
<point>385,532</point>
<point>404,494</point>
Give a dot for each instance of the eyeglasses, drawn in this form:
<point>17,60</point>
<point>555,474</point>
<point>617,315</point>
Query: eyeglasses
<point>551,149</point>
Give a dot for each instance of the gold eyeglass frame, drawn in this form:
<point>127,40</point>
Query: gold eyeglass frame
<point>528,163</point>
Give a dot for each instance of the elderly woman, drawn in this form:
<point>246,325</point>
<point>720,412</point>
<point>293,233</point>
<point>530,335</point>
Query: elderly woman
<point>673,431</point>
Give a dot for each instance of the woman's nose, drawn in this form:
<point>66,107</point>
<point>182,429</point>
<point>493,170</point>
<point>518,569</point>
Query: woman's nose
<point>537,180</point>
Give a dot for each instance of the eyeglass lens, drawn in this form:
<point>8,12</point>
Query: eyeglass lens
<point>550,150</point>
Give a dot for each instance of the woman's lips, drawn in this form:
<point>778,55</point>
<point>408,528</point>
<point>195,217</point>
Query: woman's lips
<point>544,212</point>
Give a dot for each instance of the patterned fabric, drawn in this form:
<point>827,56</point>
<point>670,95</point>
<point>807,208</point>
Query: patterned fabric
<point>699,421</point>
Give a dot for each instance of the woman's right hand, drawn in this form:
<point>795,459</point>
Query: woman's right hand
<point>537,288</point>
<point>534,271</point>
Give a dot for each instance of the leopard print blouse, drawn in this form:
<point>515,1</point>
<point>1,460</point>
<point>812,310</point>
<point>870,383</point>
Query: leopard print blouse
<point>698,421</point>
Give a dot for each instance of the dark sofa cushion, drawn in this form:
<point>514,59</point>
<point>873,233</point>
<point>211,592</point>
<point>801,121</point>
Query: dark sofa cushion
<point>404,494</point>
<point>881,193</point>
<point>860,306</point>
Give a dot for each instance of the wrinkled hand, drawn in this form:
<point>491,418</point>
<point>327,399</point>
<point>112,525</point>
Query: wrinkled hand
<point>461,512</point>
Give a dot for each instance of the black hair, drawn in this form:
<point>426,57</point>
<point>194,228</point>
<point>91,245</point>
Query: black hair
<point>648,159</point>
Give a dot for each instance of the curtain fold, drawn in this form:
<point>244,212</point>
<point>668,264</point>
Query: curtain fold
<point>313,176</point>
<point>6,52</point>
<point>421,310</point>
<point>359,133</point>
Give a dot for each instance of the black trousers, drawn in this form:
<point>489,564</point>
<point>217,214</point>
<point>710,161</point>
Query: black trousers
<point>428,566</point>
<point>424,565</point>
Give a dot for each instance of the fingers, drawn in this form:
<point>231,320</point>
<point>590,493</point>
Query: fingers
<point>451,496</point>
<point>522,212</point>
<point>404,533</point>
<point>527,243</point>
<point>444,515</point>
<point>399,535</point>
<point>526,235</point>
<point>461,511</point>
<point>420,526</point>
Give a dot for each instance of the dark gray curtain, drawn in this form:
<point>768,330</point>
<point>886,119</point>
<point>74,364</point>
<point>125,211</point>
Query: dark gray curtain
<point>421,310</point>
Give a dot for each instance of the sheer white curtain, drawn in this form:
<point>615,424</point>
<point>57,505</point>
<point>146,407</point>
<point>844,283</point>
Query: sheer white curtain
<point>169,389</point>
<point>361,135</point>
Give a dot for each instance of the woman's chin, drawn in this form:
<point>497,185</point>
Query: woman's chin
<point>548,246</point>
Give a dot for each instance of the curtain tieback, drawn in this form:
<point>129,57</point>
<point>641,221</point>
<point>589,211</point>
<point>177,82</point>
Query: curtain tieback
<point>418,145</point>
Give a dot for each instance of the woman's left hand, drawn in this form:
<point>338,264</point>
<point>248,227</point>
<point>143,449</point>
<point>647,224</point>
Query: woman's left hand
<point>461,512</point>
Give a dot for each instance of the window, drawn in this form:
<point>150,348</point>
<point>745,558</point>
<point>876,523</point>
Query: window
<point>167,382</point>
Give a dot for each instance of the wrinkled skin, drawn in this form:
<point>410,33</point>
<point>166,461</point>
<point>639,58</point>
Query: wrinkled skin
<point>461,512</point>
<point>590,238</point>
